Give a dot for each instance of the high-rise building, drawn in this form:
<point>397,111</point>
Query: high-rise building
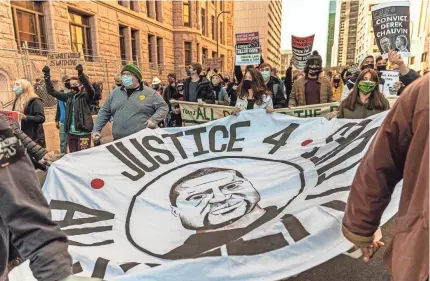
<point>345,32</point>
<point>330,33</point>
<point>265,17</point>
<point>366,42</point>
<point>160,37</point>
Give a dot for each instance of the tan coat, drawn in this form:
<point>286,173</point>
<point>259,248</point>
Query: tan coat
<point>399,151</point>
<point>297,97</point>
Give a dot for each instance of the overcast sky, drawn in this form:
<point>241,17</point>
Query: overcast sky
<point>303,18</point>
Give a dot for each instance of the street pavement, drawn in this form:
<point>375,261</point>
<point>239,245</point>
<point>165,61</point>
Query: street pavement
<point>344,268</point>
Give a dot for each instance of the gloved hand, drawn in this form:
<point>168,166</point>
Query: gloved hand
<point>77,278</point>
<point>80,69</point>
<point>46,70</point>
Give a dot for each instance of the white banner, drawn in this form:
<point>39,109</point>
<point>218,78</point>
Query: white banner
<point>251,197</point>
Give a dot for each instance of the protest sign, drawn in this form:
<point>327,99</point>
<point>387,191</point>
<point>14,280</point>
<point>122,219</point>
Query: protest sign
<point>302,48</point>
<point>213,63</point>
<point>240,190</point>
<point>391,27</point>
<point>63,60</point>
<point>192,113</point>
<point>390,77</point>
<point>247,48</point>
<point>12,117</point>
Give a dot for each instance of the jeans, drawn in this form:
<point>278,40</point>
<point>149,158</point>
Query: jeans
<point>63,139</point>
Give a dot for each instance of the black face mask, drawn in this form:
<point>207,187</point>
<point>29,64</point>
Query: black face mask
<point>156,87</point>
<point>315,70</point>
<point>67,85</point>
<point>75,89</point>
<point>119,85</point>
<point>246,84</point>
<point>370,66</point>
<point>226,80</point>
<point>381,67</point>
<point>336,80</point>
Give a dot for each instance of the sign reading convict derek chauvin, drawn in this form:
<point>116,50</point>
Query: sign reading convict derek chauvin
<point>391,27</point>
<point>64,60</point>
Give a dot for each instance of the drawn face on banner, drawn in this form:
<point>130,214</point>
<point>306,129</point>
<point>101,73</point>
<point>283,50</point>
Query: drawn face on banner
<point>385,45</point>
<point>211,198</point>
<point>401,43</point>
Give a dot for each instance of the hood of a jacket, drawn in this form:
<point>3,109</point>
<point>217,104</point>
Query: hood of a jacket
<point>274,80</point>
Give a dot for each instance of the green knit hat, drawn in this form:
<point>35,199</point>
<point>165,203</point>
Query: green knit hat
<point>133,69</point>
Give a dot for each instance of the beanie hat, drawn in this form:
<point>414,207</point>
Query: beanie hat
<point>362,58</point>
<point>315,58</point>
<point>133,69</point>
<point>173,75</point>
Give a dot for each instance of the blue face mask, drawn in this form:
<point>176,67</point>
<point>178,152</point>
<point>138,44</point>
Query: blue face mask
<point>266,75</point>
<point>127,80</point>
<point>17,90</point>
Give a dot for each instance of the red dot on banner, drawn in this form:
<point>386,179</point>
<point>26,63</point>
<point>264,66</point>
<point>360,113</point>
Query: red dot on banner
<point>97,183</point>
<point>306,142</point>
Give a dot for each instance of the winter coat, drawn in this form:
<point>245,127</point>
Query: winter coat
<point>400,150</point>
<point>298,98</point>
<point>361,111</point>
<point>36,237</point>
<point>32,125</point>
<point>170,92</point>
<point>78,104</point>
<point>204,90</point>
<point>221,95</point>
<point>242,104</point>
<point>276,86</point>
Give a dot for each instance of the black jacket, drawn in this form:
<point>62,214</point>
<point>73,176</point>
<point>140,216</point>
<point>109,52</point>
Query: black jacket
<point>276,86</point>
<point>232,94</point>
<point>81,102</point>
<point>36,237</point>
<point>204,90</point>
<point>288,82</point>
<point>170,92</point>
<point>33,124</point>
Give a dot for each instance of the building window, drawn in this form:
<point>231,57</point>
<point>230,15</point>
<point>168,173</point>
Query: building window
<point>205,54</point>
<point>134,41</point>
<point>160,52</point>
<point>80,33</point>
<point>203,22</point>
<point>150,57</point>
<point>188,54</point>
<point>221,3</point>
<point>424,57</point>
<point>158,11</point>
<point>123,3</point>
<point>122,48</point>
<point>134,5</point>
<point>214,54</point>
<point>187,13</point>
<point>412,60</point>
<point>29,24</point>
<point>213,2</point>
<point>148,8</point>
<point>213,27</point>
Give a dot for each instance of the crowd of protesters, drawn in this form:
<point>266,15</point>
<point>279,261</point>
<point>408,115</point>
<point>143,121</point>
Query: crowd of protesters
<point>132,106</point>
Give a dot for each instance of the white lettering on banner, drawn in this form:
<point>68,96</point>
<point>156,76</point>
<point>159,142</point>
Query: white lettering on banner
<point>241,190</point>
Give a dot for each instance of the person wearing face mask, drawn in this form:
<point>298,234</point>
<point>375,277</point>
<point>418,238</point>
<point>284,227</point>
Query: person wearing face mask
<point>31,110</point>
<point>78,121</point>
<point>312,89</point>
<point>175,114</point>
<point>221,96</point>
<point>337,86</point>
<point>156,85</point>
<point>253,93</point>
<point>275,85</point>
<point>406,75</point>
<point>381,64</point>
<point>365,99</point>
<point>231,91</point>
<point>132,107</point>
<point>197,87</point>
<point>170,92</point>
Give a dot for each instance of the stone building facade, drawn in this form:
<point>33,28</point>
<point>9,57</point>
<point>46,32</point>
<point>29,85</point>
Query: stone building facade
<point>161,37</point>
